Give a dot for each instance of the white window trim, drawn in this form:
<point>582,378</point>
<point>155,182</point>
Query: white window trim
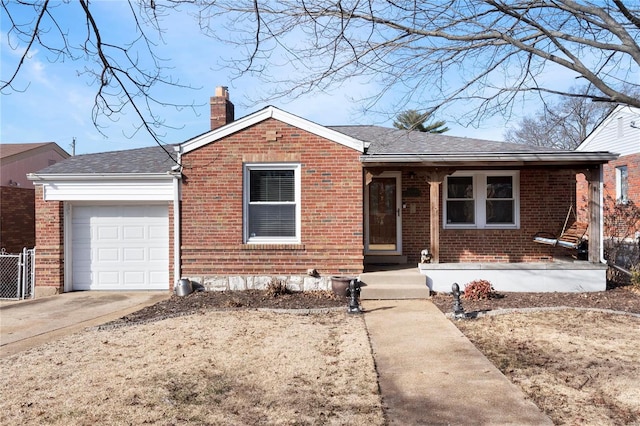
<point>480,198</point>
<point>620,198</point>
<point>245,203</point>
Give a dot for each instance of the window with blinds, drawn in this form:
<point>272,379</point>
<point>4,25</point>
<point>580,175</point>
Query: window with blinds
<point>271,210</point>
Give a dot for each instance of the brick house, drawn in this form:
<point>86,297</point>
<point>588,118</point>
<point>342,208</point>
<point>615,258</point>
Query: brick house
<point>17,195</point>
<point>274,195</point>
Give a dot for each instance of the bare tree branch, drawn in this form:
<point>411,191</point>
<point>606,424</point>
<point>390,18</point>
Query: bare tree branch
<point>409,44</point>
<point>485,53</point>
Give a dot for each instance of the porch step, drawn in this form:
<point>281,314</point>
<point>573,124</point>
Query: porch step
<point>385,259</point>
<point>391,283</point>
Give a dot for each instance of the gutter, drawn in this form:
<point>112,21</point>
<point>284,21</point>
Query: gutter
<point>95,176</point>
<point>497,157</point>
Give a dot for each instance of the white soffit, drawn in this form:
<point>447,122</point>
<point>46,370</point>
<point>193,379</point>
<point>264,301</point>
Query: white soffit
<point>277,114</point>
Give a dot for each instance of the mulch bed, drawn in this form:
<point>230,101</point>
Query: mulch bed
<point>625,299</point>
<point>202,301</point>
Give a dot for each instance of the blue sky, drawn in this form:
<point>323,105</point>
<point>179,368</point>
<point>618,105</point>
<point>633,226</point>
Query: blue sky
<point>55,103</point>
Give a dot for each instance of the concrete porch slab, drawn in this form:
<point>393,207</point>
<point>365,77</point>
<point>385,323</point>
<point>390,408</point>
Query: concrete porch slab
<point>557,276</point>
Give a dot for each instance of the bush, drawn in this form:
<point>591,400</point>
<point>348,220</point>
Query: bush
<point>478,290</point>
<point>277,288</point>
<point>635,276</point>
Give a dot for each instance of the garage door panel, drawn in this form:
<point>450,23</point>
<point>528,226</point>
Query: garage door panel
<point>120,247</point>
<point>157,232</point>
<point>137,278</point>
<point>107,278</point>
<point>109,233</point>
<point>157,255</point>
<point>132,254</point>
<point>133,232</point>
<point>157,278</point>
<point>107,255</point>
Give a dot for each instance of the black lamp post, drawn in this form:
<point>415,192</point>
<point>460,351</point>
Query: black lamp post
<point>458,310</point>
<point>354,295</point>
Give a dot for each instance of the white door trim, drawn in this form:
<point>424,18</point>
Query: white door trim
<point>398,176</point>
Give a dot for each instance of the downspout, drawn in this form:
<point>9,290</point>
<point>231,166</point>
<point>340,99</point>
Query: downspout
<point>601,197</point>
<point>177,178</point>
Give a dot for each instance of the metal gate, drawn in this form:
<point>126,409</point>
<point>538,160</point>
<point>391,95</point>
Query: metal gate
<point>17,274</point>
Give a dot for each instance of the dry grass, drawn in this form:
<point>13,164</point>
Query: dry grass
<point>248,367</point>
<point>232,368</point>
<point>578,367</point>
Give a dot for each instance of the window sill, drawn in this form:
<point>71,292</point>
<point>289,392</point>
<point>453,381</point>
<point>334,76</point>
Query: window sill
<point>273,246</point>
<point>487,228</point>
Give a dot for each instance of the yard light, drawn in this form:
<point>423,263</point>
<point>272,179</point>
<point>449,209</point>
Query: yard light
<point>458,310</point>
<point>354,295</point>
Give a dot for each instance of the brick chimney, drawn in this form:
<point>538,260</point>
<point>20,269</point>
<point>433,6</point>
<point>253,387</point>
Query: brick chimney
<point>222,111</point>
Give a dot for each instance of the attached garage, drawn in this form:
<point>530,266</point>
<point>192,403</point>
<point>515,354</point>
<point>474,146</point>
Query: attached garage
<point>108,221</point>
<point>120,247</point>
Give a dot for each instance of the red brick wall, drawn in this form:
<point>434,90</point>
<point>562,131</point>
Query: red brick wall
<point>621,229</point>
<point>212,205</point>
<point>633,166</point>
<point>609,179</point>
<point>545,196</point>
<point>17,218</point>
<point>49,242</point>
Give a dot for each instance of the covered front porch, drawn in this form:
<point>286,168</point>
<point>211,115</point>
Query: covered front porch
<point>476,216</point>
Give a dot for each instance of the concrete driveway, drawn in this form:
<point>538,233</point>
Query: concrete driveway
<point>29,323</point>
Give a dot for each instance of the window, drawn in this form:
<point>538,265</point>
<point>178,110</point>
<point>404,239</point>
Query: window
<point>482,200</point>
<point>622,184</point>
<point>272,203</point>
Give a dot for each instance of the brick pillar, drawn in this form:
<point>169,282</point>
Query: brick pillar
<point>49,245</point>
<point>222,110</point>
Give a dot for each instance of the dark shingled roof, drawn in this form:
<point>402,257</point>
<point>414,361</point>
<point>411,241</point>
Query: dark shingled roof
<point>153,159</point>
<point>385,140</point>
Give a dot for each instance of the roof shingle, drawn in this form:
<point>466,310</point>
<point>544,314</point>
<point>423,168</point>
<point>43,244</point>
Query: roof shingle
<point>152,159</point>
<point>385,140</point>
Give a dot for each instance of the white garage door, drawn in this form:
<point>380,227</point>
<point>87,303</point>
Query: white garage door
<point>120,247</point>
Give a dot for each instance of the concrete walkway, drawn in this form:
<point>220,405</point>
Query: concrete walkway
<point>29,323</point>
<point>431,374</point>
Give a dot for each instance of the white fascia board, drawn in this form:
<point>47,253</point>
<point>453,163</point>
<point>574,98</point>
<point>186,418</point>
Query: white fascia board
<point>101,189</point>
<point>277,114</point>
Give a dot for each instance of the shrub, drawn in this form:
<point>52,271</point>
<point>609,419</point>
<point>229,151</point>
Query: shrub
<point>277,288</point>
<point>478,290</point>
<point>635,276</point>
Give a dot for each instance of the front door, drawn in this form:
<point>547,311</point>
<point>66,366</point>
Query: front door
<point>383,220</point>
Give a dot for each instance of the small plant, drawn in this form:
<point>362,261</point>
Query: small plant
<point>277,288</point>
<point>478,290</point>
<point>635,276</point>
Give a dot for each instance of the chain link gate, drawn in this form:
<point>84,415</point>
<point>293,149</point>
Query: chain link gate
<point>17,274</point>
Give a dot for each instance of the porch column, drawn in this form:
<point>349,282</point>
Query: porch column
<point>594,178</point>
<point>435,179</point>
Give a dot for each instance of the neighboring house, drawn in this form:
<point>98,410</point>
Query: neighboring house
<point>274,195</point>
<point>17,195</point>
<point>619,133</point>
